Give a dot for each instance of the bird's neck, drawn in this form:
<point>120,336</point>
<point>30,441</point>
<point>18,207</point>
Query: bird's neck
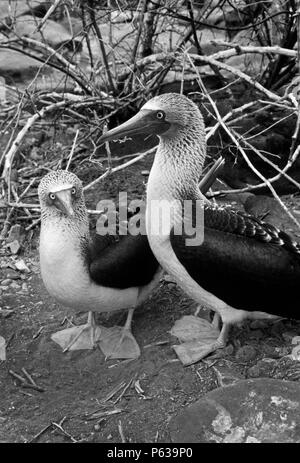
<point>59,233</point>
<point>177,166</point>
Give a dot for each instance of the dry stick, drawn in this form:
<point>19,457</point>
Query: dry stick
<point>24,382</point>
<point>101,45</point>
<point>213,129</point>
<point>137,42</point>
<point>249,163</point>
<point>268,161</point>
<point>237,49</point>
<point>28,376</point>
<point>14,206</point>
<point>47,15</point>
<point>260,185</point>
<point>61,429</point>
<point>237,72</point>
<point>72,150</point>
<point>30,122</point>
<point>295,135</point>
<point>120,428</point>
<point>72,70</point>
<point>116,169</point>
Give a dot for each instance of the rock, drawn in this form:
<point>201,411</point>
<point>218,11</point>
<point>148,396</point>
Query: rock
<point>20,265</point>
<point>245,354</point>
<point>256,334</point>
<point>4,288</point>
<point>15,233</point>
<point>295,340</point>
<point>13,63</point>
<point>255,410</point>
<point>52,33</point>
<point>263,368</point>
<point>270,351</point>
<point>14,247</point>
<point>295,355</point>
<point>288,336</point>
<point>12,274</point>
<point>258,324</point>
<point>226,376</point>
<point>6,282</point>
<point>24,287</point>
<point>14,285</point>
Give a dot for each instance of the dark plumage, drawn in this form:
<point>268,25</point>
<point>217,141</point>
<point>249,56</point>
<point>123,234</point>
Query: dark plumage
<point>247,263</point>
<point>122,264</point>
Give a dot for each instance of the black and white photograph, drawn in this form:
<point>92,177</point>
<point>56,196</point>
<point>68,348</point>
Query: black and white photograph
<point>149,224</point>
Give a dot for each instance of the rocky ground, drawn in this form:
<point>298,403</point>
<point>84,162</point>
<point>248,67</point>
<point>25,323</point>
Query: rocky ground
<point>51,396</point>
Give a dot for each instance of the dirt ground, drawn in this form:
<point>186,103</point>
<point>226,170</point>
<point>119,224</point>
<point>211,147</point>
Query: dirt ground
<point>73,402</point>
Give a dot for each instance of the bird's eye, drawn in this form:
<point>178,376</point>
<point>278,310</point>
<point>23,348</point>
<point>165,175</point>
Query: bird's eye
<point>52,196</point>
<point>160,114</point>
<point>73,191</point>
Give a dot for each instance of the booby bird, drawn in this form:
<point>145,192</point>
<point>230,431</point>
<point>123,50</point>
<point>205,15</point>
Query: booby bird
<point>95,274</point>
<point>244,267</point>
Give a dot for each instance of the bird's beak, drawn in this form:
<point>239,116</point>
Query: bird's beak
<point>63,202</point>
<point>143,122</point>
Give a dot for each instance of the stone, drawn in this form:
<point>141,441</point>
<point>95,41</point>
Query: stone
<point>20,265</point>
<point>15,233</point>
<point>226,376</point>
<point>245,354</point>
<point>6,282</point>
<point>14,246</point>
<point>256,334</point>
<point>254,410</point>
<point>288,336</point>
<point>14,285</point>
<point>24,287</point>
<point>263,368</point>
<point>12,274</point>
<point>258,324</point>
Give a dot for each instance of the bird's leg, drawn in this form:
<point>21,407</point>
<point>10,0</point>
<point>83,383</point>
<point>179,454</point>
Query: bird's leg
<point>118,342</point>
<point>216,321</point>
<point>79,337</point>
<point>192,352</point>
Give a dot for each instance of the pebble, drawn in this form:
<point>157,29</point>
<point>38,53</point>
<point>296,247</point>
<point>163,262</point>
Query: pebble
<point>4,288</point>
<point>226,375</point>
<point>263,368</point>
<point>12,274</point>
<point>258,324</point>
<point>14,285</point>
<point>288,336</point>
<point>24,287</point>
<point>245,354</point>
<point>6,282</point>
<point>296,340</point>
<point>270,351</point>
<point>256,334</point>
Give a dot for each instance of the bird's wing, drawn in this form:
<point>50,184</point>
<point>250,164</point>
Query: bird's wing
<point>248,264</point>
<point>126,263</point>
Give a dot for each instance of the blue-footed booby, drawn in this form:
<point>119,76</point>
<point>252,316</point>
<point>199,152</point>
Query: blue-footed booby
<point>243,267</point>
<point>94,273</point>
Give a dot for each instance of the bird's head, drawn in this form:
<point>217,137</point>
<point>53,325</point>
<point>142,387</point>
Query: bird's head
<point>167,116</point>
<point>61,194</point>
